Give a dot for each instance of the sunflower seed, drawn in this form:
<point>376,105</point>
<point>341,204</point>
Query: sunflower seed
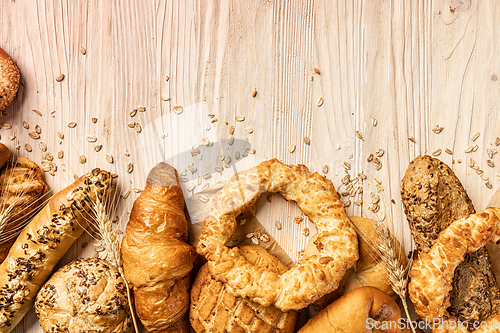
<point>97,148</point>
<point>203,198</point>
<point>239,118</point>
<point>60,77</point>
<point>130,168</point>
<point>278,225</point>
<point>374,122</point>
<point>292,147</point>
<point>437,152</point>
<point>178,109</point>
<point>43,146</point>
<point>138,128</point>
<point>320,102</point>
<point>475,136</point>
<point>72,124</point>
<point>91,138</point>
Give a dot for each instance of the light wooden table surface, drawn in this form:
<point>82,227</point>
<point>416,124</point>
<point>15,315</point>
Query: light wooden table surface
<point>411,65</point>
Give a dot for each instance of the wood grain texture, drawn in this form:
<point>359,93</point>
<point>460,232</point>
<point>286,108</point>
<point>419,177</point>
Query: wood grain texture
<point>411,65</point>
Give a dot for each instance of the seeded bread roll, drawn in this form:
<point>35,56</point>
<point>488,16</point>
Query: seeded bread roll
<point>433,198</point>
<point>9,80</point>
<point>87,295</point>
<point>43,242</point>
<point>22,192</point>
<point>4,155</point>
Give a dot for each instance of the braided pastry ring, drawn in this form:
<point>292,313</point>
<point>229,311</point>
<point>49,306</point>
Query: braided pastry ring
<point>432,273</point>
<point>318,274</point>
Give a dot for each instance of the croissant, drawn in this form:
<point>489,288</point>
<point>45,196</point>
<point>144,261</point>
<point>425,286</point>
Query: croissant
<point>156,258</point>
<point>22,190</point>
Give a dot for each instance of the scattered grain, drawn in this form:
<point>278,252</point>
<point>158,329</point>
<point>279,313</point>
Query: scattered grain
<point>191,187</point>
<point>82,159</point>
<point>448,151</point>
<point>43,146</point>
<point>412,139</point>
<point>178,109</point>
<point>490,163</point>
<point>497,141</point>
<point>484,177</point>
<point>436,153</point>
<point>438,129</point>
<point>475,136</point>
<point>358,202</point>
<point>97,148</point>
<point>347,203</point>
<point>254,93</point>
<point>325,169</point>
<point>489,184</point>
<point>133,113</point>
<point>380,152</point>
<point>249,130</point>
<point>370,158</point>
<point>374,122</point>
<point>138,127</point>
<point>37,112</point>
<point>72,124</point>
<point>265,238</point>
<point>469,149</point>
<point>137,190</point>
<point>316,70</point>
<point>34,135</point>
<point>305,232</point>
<point>239,118</point>
<point>6,126</point>
<point>60,77</point>
<point>359,135</point>
<point>307,141</point>
<point>475,147</point>
<point>94,120</point>
<point>320,102</point>
<point>28,148</point>
<point>26,125</point>
<point>109,158</point>
<point>141,108</point>
<point>12,137</point>
<point>91,138</point>
<point>292,147</point>
<point>298,219</point>
<point>60,154</point>
<point>130,168</point>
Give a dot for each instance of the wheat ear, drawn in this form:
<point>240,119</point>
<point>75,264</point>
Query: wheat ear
<point>109,242</point>
<point>396,273</point>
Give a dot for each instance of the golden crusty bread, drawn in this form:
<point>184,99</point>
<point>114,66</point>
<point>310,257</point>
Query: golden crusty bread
<point>87,295</point>
<point>357,311</point>
<point>369,269</point>
<point>156,257</point>
<point>9,80</point>
<point>4,155</point>
<point>317,275</point>
<point>214,309</point>
<point>44,241</point>
<point>432,272</point>
<point>22,190</point>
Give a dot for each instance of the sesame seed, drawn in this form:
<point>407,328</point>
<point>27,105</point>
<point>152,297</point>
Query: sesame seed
<point>165,98</point>
<point>231,130</point>
<point>278,225</point>
<point>490,163</point>
<point>60,135</point>
<point>305,232</point>
<point>38,129</point>
<point>489,184</point>
<point>141,108</point>
<point>380,152</point>
<point>325,169</point>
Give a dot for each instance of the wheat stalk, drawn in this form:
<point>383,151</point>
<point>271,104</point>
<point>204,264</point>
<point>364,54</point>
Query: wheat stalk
<point>396,273</point>
<point>107,239</point>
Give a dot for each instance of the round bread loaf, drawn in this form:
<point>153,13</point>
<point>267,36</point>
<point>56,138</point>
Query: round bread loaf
<point>214,309</point>
<point>87,295</point>
<point>369,270</point>
<point>9,80</point>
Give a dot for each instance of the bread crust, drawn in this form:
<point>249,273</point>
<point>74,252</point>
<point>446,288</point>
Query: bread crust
<point>9,80</point>
<point>318,275</point>
<point>214,309</point>
<point>156,257</point>
<point>43,242</point>
<point>432,273</point>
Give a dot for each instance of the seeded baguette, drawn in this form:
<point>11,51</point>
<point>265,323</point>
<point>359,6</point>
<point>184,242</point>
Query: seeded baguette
<point>43,242</point>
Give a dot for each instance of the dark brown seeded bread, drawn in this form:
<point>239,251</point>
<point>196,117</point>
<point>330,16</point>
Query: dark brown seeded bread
<point>433,198</point>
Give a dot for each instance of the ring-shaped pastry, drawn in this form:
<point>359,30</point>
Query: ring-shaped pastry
<point>318,274</point>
